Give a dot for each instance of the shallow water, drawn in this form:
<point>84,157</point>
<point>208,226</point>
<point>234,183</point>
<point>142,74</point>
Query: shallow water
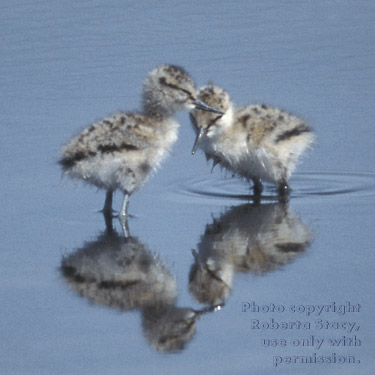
<point>325,184</point>
<point>67,64</point>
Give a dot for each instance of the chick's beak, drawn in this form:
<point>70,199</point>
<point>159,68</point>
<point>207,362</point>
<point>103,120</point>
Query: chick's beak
<point>204,107</point>
<point>202,132</point>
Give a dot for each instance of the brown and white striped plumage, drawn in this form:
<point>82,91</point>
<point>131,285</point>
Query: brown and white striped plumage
<point>121,151</point>
<point>257,142</point>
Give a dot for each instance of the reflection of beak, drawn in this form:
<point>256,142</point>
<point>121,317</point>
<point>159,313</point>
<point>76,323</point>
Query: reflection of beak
<point>202,132</point>
<point>209,309</point>
<point>204,107</point>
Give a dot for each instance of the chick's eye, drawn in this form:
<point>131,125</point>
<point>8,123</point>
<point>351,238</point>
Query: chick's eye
<point>164,82</point>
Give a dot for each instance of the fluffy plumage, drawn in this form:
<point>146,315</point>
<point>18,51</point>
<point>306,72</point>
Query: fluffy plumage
<point>257,142</point>
<point>121,151</point>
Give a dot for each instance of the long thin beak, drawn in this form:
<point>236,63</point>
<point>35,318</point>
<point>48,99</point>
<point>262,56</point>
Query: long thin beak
<point>201,133</point>
<point>204,107</point>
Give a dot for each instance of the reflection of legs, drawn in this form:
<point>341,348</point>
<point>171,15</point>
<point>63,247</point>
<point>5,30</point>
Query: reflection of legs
<point>258,187</point>
<point>283,191</point>
<point>108,221</point>
<point>123,215</point>
<point>124,226</point>
<point>125,205</point>
<point>108,202</point>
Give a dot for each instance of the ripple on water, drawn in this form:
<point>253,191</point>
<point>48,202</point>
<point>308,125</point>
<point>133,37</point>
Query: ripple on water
<point>330,185</point>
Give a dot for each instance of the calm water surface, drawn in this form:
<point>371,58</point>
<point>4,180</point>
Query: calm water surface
<point>79,300</point>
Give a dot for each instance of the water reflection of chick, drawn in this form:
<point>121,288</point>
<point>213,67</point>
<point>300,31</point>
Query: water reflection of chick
<point>123,273</point>
<point>247,238</point>
<point>119,272</point>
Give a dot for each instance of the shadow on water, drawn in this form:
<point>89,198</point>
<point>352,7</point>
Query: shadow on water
<point>122,273</point>
<point>324,184</point>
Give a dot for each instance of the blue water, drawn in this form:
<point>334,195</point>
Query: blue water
<point>66,64</point>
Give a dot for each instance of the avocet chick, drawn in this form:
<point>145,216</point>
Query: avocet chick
<point>121,151</point>
<point>256,142</point>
